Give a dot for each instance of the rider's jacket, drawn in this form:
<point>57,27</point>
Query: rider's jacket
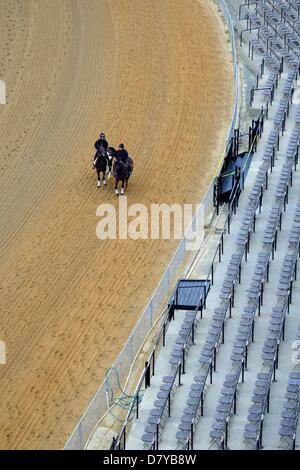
<point>101,143</point>
<point>122,155</point>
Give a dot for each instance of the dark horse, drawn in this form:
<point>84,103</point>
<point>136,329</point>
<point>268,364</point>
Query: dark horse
<point>100,163</point>
<point>122,172</point>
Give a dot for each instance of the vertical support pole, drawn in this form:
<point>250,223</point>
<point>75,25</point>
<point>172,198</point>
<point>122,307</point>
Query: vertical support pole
<point>147,374</point>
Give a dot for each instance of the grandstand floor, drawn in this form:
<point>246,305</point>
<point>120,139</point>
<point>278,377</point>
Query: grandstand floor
<point>155,74</point>
<point>231,379</point>
<point>202,439</point>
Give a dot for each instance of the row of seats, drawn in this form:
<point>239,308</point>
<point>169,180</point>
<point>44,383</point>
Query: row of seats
<point>246,328</point>
<point>277,39</point>
<point>276,32</point>
<point>245,333</point>
<point>260,275</point>
<point>290,413</point>
<point>227,400</point>
<point>167,388</point>
<point>254,427</point>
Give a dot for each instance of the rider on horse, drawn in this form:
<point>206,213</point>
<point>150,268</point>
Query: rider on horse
<point>101,142</point>
<point>101,146</point>
<point>121,153</point>
<point>122,156</point>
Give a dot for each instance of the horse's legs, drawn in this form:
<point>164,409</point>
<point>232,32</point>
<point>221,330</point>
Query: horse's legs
<point>116,186</point>
<point>122,189</point>
<point>103,177</point>
<point>98,173</point>
<point>110,164</point>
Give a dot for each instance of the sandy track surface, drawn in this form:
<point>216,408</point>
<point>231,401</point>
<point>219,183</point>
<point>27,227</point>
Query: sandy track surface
<point>155,74</point>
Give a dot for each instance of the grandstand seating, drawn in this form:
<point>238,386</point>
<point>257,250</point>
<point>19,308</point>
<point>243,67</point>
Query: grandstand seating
<point>226,379</point>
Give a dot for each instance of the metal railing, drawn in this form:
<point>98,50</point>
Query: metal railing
<point>223,7</point>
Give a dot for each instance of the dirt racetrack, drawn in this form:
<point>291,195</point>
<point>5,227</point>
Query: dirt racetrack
<point>155,74</point>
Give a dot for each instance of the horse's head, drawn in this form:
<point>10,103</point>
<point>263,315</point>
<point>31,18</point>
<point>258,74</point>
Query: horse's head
<point>111,152</point>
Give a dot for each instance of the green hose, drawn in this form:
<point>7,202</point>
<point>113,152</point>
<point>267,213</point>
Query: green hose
<point>124,400</point>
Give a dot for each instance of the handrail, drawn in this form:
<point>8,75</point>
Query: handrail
<point>225,11</point>
<point>236,72</point>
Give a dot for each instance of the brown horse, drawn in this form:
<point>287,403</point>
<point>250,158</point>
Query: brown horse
<point>122,171</point>
<point>100,163</point>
